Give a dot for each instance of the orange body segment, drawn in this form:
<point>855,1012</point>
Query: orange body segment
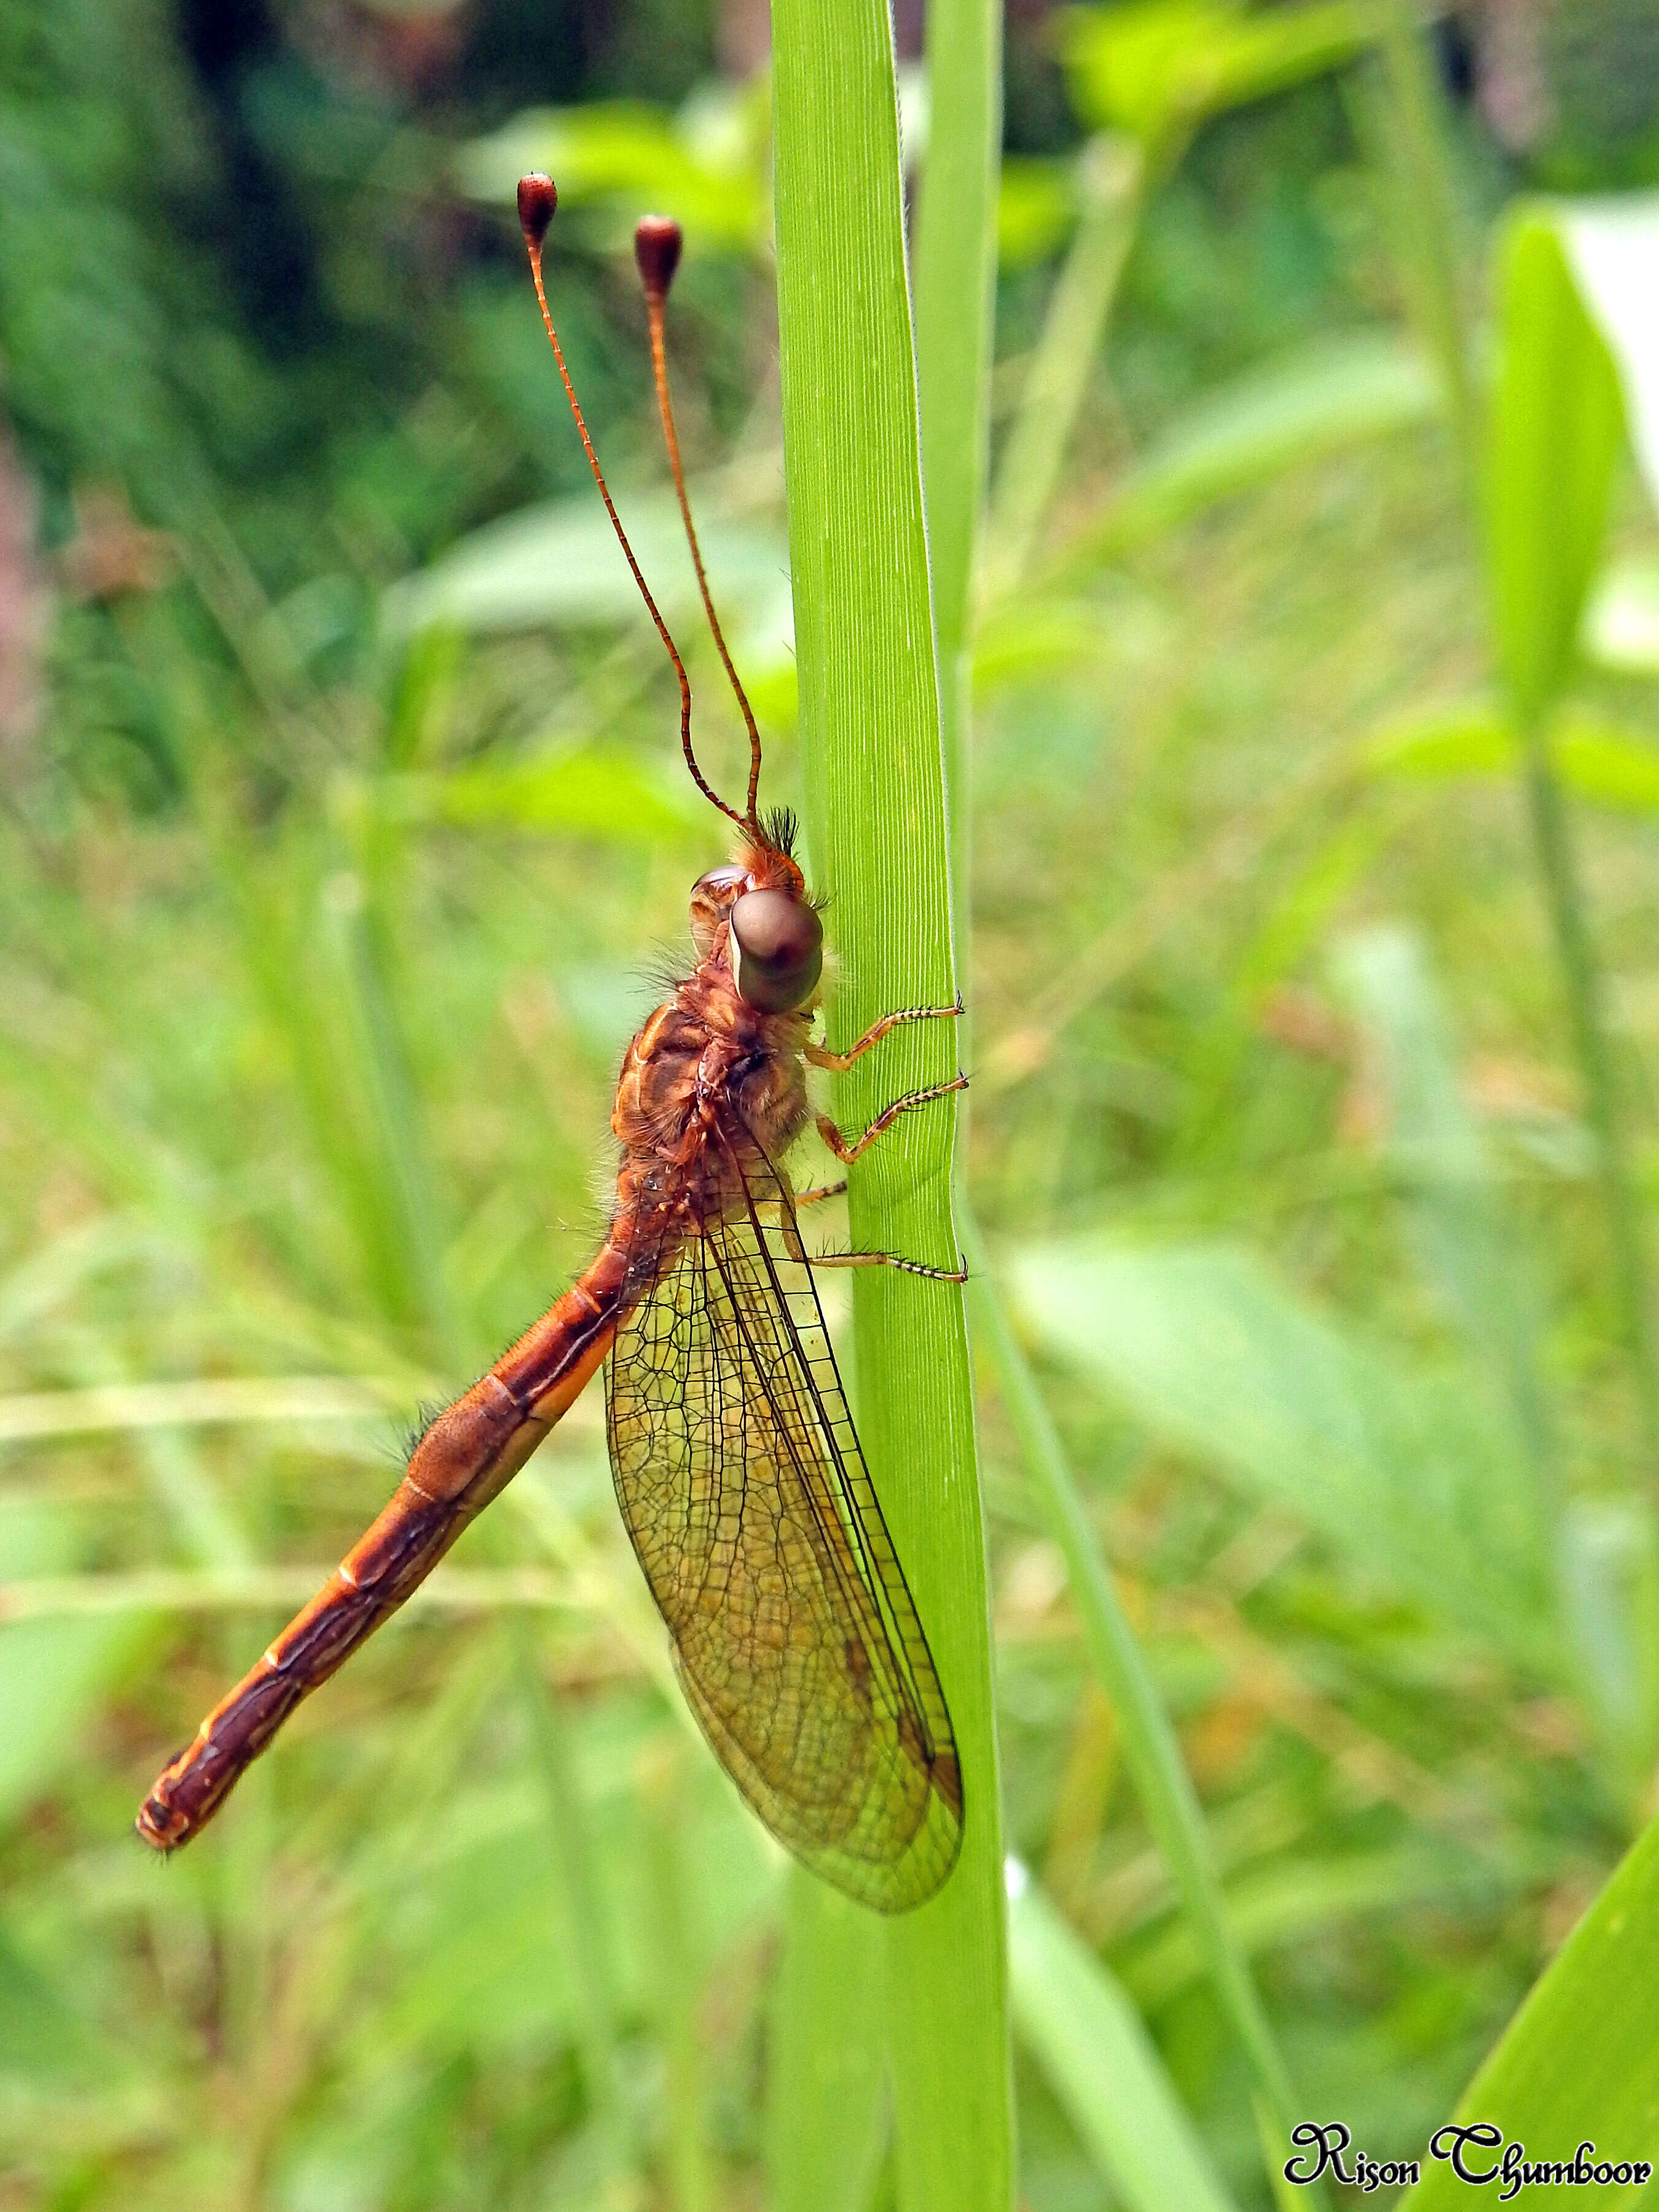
<point>466,1458</point>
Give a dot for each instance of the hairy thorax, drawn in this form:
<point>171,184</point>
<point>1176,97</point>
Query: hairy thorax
<point>711,1087</point>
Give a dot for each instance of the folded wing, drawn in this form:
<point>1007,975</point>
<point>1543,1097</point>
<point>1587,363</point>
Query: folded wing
<point>746,1492</point>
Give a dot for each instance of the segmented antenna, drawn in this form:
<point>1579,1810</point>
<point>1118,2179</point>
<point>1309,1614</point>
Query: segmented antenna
<point>657,242</point>
<point>538,198</point>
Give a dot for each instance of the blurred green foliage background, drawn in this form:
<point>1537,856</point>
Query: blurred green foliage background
<point>344,843</point>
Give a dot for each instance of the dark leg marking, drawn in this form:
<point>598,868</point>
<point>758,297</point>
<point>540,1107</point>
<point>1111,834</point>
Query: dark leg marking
<point>889,1260</point>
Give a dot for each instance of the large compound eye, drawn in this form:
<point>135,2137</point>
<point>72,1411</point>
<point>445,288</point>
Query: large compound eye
<point>778,943</point>
<point>711,901</point>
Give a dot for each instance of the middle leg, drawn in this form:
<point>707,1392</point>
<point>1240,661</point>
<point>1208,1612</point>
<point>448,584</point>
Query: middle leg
<point>848,1150</point>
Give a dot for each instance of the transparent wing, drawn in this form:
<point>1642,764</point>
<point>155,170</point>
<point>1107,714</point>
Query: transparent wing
<point>746,1495</point>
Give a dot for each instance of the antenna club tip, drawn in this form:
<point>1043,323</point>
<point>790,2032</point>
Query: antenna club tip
<point>657,242</point>
<point>538,196</point>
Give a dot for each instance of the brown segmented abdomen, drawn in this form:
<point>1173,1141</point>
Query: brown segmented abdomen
<point>467,1456</point>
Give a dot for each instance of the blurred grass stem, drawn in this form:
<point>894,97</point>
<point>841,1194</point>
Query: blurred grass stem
<point>1407,127</point>
<point>689,2166</point>
<point>582,1929</point>
<point>1111,173</point>
<point>1150,1748</point>
<point>241,1587</point>
<point>1581,978</point>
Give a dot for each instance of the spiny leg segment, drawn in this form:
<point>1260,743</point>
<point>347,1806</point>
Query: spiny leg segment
<point>890,1260</point>
<point>847,1151</point>
<point>820,1056</point>
<point>820,1192</point>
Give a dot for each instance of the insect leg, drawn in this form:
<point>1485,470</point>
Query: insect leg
<point>820,1056</point>
<point>820,1191</point>
<point>889,1260</point>
<point>847,1151</point>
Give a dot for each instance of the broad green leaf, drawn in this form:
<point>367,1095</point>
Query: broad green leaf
<point>1328,396</point>
<point>1157,66</point>
<point>1405,1473</point>
<point>1580,2061</point>
<point>705,165</point>
<point>611,146</point>
<point>1597,759</point>
<point>561,563</point>
<point>1280,1905</point>
<point>1073,2017</point>
<point>579,791</point>
<point>1556,424</point>
<point>1463,1244</point>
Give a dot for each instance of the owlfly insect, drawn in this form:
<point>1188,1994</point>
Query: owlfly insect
<point>737,1466</point>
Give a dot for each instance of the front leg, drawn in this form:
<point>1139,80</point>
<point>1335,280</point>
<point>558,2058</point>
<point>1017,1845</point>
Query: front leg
<point>820,1056</point>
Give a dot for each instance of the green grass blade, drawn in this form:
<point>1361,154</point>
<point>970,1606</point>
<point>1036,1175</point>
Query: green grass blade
<point>1580,2061</point>
<point>956,289</point>
<point>1557,425</point>
<point>956,275</point>
<point>824,2133</point>
<point>359,959</point>
<point>1086,2036</point>
<point>688,2174</point>
<point>1150,1748</point>
<point>870,731</point>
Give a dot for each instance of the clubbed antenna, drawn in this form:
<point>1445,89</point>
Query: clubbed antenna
<point>538,199</point>
<point>657,243</point>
